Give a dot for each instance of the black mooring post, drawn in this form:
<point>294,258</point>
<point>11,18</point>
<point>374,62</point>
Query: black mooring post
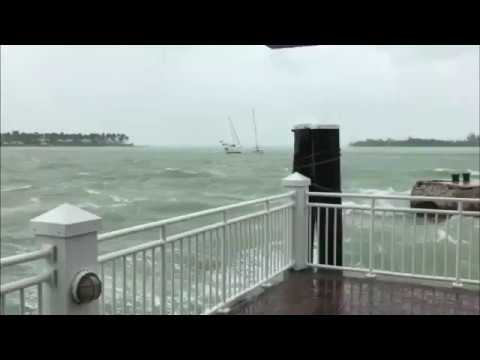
<point>317,155</point>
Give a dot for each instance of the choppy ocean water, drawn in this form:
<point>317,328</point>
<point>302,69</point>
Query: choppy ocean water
<point>130,186</point>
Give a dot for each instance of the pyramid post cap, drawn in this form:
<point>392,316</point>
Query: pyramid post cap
<point>296,180</point>
<point>65,221</point>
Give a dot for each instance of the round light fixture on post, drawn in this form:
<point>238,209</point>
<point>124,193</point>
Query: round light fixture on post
<point>86,287</point>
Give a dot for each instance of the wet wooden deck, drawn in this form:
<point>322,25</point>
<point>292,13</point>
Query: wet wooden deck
<point>313,292</point>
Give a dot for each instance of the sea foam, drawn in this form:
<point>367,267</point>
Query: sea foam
<point>16,188</point>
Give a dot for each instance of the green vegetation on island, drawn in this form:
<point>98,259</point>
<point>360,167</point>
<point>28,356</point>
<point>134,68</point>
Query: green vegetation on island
<point>16,138</point>
<point>471,140</point>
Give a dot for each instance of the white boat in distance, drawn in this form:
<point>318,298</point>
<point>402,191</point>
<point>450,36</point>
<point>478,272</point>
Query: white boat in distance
<point>235,147</point>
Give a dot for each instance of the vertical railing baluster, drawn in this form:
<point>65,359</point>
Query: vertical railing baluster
<point>134,294</point>
<point>153,281</point>
<point>266,236</point>
<point>256,251</point>
<point>189,288</point>
<point>248,230</point>
<point>210,267</point>
<point>384,247</point>
<point>22,301</point>
<point>114,286</point>
<point>204,272</point>
<point>404,230</point>
<point>261,249</point>
<point>317,235</point>
<point>230,260</point>
<point>285,237</point>
<point>3,306</point>
<point>40,299</point>
<point>414,242</point>
<point>458,281</point>
<point>370,239</point>
<point>447,226</point>
<point>361,239</point>
<point>218,256</point>
<point>124,279</point>
<point>256,265</point>
<point>471,250</point>
<point>224,257</point>
<point>309,234</point>
<point>275,238</point>
<point>335,236</point>
<point>435,237</point>
<point>181,276</point>
<point>280,235</point>
<point>163,278</point>
<point>392,247</point>
<point>172,285</point>
<point>234,258</point>
<point>247,253</point>
<point>102,296</point>
<point>144,281</point>
<point>424,245</point>
<point>196,275</point>
<point>326,235</point>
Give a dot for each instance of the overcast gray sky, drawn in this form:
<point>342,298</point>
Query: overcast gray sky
<point>183,95</point>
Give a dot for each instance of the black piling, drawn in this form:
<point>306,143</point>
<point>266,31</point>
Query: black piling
<point>317,155</point>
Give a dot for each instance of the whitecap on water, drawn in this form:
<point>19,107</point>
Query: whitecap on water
<point>89,205</point>
<point>444,170</point>
<point>92,192</point>
<point>16,188</point>
<point>119,199</point>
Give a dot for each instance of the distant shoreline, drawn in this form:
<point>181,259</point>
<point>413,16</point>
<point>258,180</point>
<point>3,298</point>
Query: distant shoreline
<point>66,145</point>
<point>471,140</point>
<point>409,145</point>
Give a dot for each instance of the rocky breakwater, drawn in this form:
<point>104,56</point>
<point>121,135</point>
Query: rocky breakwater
<point>441,188</point>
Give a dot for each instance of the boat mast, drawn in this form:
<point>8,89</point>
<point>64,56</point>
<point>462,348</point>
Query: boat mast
<point>255,127</point>
<point>235,137</point>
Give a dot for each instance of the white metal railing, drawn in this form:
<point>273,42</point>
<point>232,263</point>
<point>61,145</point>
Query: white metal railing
<point>30,292</point>
<point>201,262</point>
<point>401,241</point>
<point>200,270</point>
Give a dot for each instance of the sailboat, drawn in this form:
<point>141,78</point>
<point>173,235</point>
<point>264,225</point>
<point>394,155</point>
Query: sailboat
<point>257,150</point>
<point>235,147</point>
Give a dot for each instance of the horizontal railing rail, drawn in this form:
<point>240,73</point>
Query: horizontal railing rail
<point>420,243</point>
<point>200,270</point>
<point>31,286</point>
<point>175,220</point>
<point>392,197</point>
<point>27,257</point>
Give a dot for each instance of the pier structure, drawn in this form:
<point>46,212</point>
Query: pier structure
<point>256,257</point>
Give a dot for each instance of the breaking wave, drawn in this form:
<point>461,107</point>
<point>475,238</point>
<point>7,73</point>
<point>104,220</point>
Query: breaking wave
<point>16,188</point>
<point>93,192</point>
<point>180,173</point>
<point>475,173</point>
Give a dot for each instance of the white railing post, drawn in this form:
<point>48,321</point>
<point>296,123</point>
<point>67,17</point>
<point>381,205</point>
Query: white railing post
<point>370,273</point>
<point>224,257</point>
<point>73,233</point>
<point>458,282</point>
<point>299,184</point>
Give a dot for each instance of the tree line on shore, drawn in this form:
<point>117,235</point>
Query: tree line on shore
<point>471,140</point>
<point>17,138</point>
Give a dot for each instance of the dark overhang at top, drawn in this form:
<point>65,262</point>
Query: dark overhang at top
<point>285,46</point>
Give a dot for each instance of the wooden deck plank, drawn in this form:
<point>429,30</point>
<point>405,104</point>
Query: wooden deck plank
<point>330,293</point>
